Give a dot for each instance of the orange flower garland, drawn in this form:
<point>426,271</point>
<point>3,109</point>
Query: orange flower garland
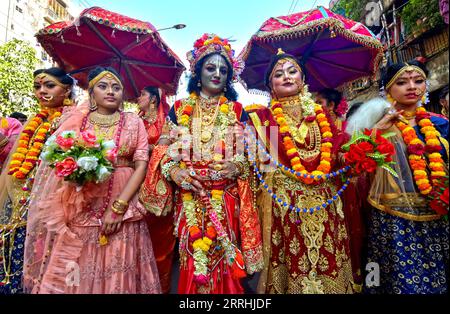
<point>31,142</point>
<point>188,109</point>
<point>291,149</point>
<point>417,149</point>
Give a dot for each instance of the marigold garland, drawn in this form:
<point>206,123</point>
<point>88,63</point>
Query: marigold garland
<point>417,151</point>
<point>291,149</point>
<point>31,142</point>
<point>188,109</point>
<point>201,240</point>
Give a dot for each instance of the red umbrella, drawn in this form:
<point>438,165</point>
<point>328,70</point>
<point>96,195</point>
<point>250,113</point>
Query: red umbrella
<point>103,38</point>
<point>333,49</point>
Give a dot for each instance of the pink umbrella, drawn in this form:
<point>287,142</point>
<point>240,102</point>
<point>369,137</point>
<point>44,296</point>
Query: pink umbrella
<point>334,50</point>
<point>103,38</point>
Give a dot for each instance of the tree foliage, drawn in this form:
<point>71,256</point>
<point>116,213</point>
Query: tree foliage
<point>351,9</point>
<point>17,63</point>
<point>419,15</point>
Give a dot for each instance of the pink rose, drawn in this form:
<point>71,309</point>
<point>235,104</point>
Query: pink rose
<point>64,143</point>
<point>111,155</point>
<point>89,138</point>
<point>66,167</point>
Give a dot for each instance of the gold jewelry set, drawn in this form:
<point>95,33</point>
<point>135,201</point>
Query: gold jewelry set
<point>207,111</point>
<point>294,115</point>
<point>104,125</point>
<point>406,68</point>
<point>108,75</point>
<point>149,116</point>
<point>119,207</point>
<point>409,115</point>
<point>50,77</point>
<point>205,116</point>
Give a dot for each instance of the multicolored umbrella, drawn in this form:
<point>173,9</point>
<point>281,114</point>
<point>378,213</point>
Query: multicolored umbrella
<point>103,38</point>
<point>334,50</point>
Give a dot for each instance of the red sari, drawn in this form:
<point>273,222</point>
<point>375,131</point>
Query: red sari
<point>238,216</point>
<point>354,202</point>
<point>161,227</point>
<point>308,253</point>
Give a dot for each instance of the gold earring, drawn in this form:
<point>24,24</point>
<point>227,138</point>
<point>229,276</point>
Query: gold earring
<point>389,98</point>
<point>67,102</point>
<point>93,105</point>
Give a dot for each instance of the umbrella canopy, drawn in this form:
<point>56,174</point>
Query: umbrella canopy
<point>103,38</point>
<point>334,50</point>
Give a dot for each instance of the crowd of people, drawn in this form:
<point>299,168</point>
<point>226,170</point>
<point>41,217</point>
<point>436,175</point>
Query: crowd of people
<point>238,192</point>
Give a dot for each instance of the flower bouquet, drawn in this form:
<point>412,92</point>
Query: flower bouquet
<point>80,158</point>
<point>439,198</point>
<point>368,150</point>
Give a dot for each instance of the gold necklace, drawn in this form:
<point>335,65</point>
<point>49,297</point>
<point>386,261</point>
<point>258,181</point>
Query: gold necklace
<point>290,101</point>
<point>103,120</point>
<point>294,115</point>
<point>149,116</point>
<point>207,117</point>
<point>409,115</point>
<point>208,110</point>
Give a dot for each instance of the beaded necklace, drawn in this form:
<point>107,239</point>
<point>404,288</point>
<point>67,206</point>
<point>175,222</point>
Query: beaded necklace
<point>291,149</point>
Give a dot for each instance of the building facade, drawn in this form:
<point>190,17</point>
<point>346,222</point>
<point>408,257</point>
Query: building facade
<point>22,19</point>
<point>407,31</point>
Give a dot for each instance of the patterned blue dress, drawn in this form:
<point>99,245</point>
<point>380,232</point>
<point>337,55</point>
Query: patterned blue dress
<point>11,258</point>
<point>412,255</point>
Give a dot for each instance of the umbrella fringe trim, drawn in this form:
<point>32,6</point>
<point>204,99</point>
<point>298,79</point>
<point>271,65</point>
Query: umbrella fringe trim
<point>313,26</point>
<point>141,29</point>
<point>334,25</point>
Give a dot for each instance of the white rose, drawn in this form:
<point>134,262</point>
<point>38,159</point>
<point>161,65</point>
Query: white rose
<point>51,141</point>
<point>46,154</point>
<point>108,145</point>
<point>103,173</point>
<point>87,163</point>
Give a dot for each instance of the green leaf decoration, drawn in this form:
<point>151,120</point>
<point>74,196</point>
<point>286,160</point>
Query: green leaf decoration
<point>376,156</point>
<point>356,138</point>
<point>390,170</point>
<point>388,134</point>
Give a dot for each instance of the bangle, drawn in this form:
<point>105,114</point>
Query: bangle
<point>167,168</point>
<point>119,207</point>
<point>4,142</point>
<point>121,202</point>
<point>242,165</point>
<point>174,173</point>
<point>118,211</point>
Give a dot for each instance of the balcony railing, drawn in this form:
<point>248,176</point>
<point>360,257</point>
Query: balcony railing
<point>55,16</point>
<point>426,46</point>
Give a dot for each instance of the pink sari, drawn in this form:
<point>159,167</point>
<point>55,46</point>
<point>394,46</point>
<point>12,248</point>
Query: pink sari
<point>62,253</point>
<point>12,129</point>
